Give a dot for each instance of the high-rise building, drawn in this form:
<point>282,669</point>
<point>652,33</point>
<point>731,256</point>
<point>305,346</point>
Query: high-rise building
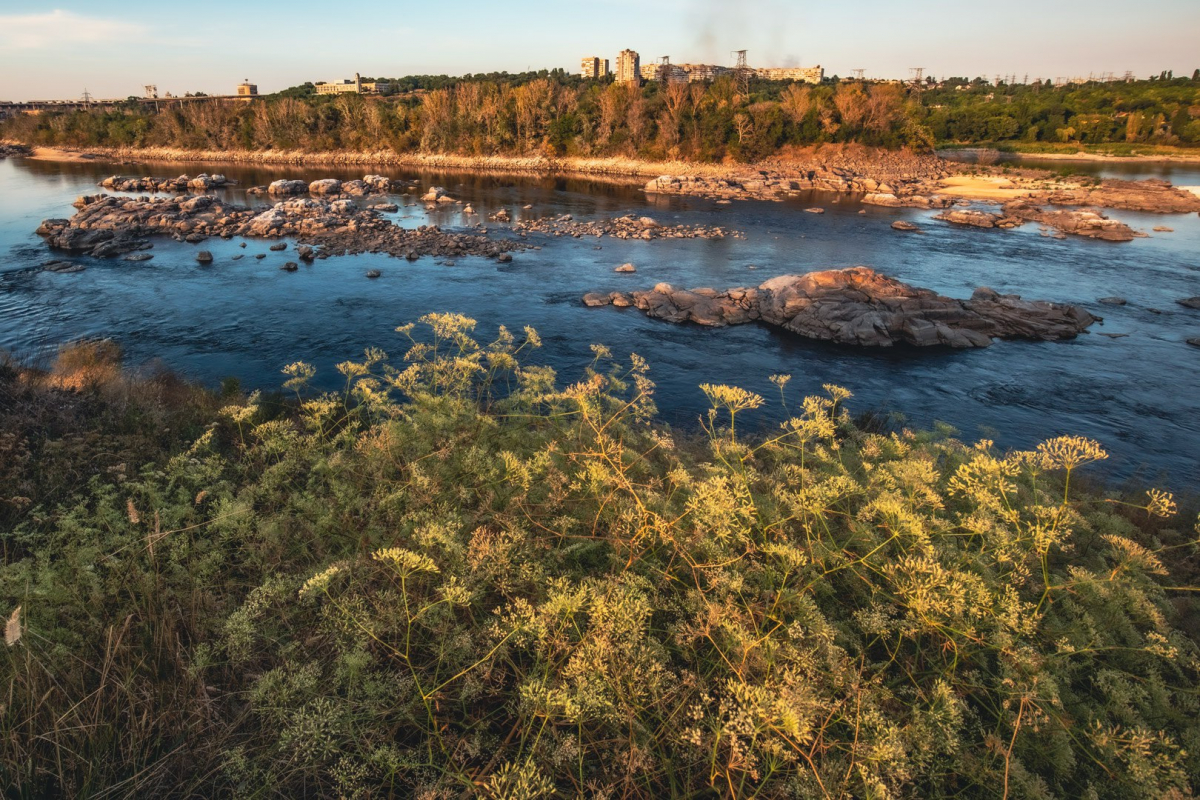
<point>593,68</point>
<point>629,67</point>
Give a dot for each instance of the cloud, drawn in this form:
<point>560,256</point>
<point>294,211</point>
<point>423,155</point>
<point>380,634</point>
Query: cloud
<point>58,27</point>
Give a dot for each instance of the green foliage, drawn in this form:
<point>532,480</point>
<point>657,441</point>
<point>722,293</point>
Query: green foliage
<point>554,113</point>
<point>455,578</point>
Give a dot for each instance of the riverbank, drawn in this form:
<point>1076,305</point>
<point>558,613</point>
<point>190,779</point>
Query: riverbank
<point>882,166</point>
<point>1107,153</point>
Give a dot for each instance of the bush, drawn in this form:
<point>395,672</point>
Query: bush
<point>455,578</point>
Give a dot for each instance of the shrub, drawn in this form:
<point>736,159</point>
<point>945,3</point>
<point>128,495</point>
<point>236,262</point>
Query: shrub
<point>456,578</point>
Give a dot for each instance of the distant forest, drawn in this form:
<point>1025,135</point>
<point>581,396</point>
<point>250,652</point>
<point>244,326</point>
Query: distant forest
<point>554,113</point>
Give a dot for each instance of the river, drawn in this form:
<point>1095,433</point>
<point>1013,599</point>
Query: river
<point>1138,395</point>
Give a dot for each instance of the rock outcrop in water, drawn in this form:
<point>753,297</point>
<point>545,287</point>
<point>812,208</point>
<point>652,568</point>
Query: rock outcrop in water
<point>14,150</point>
<point>1152,195</point>
<point>861,307</point>
<point>627,227</point>
<point>1084,222</point>
<point>109,226</point>
<point>183,183</point>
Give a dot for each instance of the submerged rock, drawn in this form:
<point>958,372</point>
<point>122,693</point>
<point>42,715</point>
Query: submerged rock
<point>903,225</point>
<point>1113,301</point>
<point>63,267</point>
<point>859,306</point>
<point>1190,302</point>
<point>626,227</point>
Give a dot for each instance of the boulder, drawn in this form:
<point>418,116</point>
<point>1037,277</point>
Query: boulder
<point>1190,302</point>
<point>859,306</point>
<point>279,246</point>
<point>626,268</point>
<point>378,183</point>
<point>373,273</point>
<point>903,225</point>
<point>290,266</point>
<point>814,210</point>
<point>325,186</point>
<point>287,187</point>
<point>1113,301</point>
<point>204,257</point>
<point>138,257</point>
<point>1194,342</point>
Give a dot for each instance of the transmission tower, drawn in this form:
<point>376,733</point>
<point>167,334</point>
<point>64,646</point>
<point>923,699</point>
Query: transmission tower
<point>741,73</point>
<point>664,70</point>
<point>858,74</point>
<point>87,97</point>
<point>918,74</point>
<point>1128,76</point>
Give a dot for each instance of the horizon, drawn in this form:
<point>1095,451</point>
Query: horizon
<point>56,54</point>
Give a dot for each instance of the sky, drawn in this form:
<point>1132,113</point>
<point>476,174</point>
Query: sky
<point>55,49</point>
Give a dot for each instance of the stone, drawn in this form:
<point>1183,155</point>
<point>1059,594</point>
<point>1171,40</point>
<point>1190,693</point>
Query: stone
<point>1194,342</point>
<point>117,225</point>
<point>904,225</point>
<point>305,253</point>
<point>290,266</point>
<point>138,257</point>
<point>260,256</point>
<point>278,246</point>
<point>204,257</point>
<point>504,258</point>
<point>325,186</point>
<point>501,216</point>
<point>373,273</point>
<point>861,307</point>
<point>626,268</point>
<point>238,257</point>
<point>1113,301</point>
<point>1190,302</point>
<point>814,210</point>
<point>63,267</point>
<point>1163,229</point>
<point>287,187</point>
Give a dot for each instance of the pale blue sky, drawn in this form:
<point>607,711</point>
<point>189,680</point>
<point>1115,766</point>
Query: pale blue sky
<point>55,49</point>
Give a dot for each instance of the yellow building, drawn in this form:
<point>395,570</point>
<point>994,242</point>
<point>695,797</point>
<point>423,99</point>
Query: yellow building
<point>629,67</point>
<point>593,68</point>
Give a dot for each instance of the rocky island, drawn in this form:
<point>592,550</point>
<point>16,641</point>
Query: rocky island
<point>859,306</point>
<point>110,225</point>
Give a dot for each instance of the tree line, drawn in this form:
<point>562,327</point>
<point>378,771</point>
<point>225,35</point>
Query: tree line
<point>557,114</point>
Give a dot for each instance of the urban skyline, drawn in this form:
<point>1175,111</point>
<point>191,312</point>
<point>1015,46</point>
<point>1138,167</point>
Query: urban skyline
<point>73,46</point>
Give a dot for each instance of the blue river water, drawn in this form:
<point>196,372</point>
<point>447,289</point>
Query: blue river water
<point>1138,394</point>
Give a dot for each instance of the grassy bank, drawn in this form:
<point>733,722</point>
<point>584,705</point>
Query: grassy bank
<point>459,578</point>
